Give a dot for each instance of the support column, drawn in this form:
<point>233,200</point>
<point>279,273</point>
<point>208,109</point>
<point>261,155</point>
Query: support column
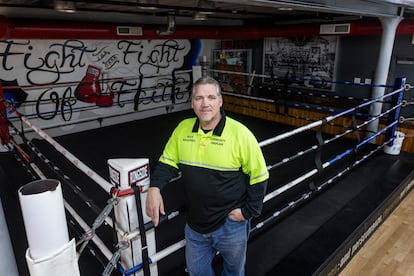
<point>7,261</point>
<point>389,27</point>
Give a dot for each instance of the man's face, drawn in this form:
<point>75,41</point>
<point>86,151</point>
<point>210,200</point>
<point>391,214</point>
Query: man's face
<point>206,103</point>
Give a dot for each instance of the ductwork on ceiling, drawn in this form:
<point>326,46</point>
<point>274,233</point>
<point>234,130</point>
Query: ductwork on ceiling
<point>230,19</point>
<point>220,13</point>
<point>169,30</point>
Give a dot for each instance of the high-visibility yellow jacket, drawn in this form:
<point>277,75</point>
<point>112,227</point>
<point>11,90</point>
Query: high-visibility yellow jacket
<point>222,170</point>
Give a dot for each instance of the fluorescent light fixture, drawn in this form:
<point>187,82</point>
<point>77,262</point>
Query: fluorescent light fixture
<point>199,16</point>
<point>64,6</point>
<point>148,4</point>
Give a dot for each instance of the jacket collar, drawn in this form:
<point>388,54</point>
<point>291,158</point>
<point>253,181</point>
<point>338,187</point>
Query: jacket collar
<point>218,130</point>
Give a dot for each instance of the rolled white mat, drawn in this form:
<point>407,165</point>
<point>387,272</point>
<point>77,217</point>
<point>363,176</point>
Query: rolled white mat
<point>63,262</point>
<point>44,217</point>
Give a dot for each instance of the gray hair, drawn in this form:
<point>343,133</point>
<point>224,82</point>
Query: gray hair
<point>207,80</point>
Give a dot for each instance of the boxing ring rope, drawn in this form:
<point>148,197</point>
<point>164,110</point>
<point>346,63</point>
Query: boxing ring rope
<point>324,165</point>
<point>327,141</point>
<point>306,196</point>
<point>67,154</point>
<point>285,80</point>
<point>106,186</point>
<point>296,105</point>
<point>89,232</point>
<point>36,170</point>
<point>89,235</point>
<point>327,119</point>
<point>404,119</point>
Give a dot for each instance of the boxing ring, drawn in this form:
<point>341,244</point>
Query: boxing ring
<point>306,166</point>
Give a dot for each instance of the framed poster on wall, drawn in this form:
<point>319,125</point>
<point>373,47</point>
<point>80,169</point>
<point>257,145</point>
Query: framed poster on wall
<point>238,61</point>
<point>306,61</point>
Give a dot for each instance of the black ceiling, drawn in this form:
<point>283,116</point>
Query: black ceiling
<point>226,12</point>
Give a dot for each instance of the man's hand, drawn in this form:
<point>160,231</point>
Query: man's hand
<point>236,215</point>
<point>154,205</point>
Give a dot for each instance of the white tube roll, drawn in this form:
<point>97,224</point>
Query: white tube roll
<point>44,217</point>
<point>64,262</point>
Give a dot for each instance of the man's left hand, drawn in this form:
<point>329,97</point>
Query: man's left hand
<point>236,215</point>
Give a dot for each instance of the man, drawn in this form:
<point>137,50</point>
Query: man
<point>225,178</point>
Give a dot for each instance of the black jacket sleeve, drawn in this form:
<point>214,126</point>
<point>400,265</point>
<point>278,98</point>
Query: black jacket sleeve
<point>162,175</point>
<point>254,202</point>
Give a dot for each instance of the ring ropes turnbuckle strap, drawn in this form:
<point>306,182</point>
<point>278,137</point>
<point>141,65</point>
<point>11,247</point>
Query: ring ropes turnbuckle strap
<point>144,246</point>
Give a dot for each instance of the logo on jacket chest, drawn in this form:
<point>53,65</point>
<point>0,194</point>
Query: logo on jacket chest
<point>218,141</point>
<point>189,138</point>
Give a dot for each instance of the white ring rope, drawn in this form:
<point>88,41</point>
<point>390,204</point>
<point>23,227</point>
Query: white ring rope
<point>238,73</point>
<point>322,121</point>
<point>73,159</point>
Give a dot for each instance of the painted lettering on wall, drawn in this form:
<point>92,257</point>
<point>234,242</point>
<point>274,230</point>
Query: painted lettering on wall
<point>132,73</point>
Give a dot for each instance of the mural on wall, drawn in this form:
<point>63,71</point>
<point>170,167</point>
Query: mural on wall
<point>307,61</point>
<point>70,80</point>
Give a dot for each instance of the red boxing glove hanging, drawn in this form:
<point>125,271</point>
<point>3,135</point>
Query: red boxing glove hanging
<point>4,127</point>
<point>88,89</point>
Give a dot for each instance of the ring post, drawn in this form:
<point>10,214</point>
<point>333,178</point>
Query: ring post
<point>394,115</point>
<point>50,251</point>
<point>126,174</point>
<point>197,73</point>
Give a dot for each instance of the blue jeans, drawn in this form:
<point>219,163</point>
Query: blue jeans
<point>230,240</point>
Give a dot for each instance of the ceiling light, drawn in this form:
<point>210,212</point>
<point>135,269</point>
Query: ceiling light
<point>148,4</point>
<point>204,7</point>
<point>206,4</point>
<point>170,29</point>
<point>285,9</point>
<point>199,16</point>
<point>64,6</point>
